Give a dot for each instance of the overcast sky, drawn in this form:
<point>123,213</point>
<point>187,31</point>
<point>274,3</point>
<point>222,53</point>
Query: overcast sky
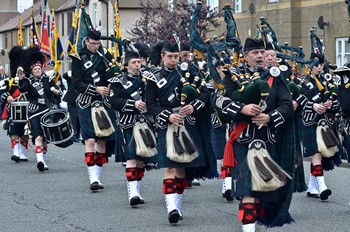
<point>24,4</point>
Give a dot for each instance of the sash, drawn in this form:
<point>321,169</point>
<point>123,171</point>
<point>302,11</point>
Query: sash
<point>136,83</point>
<point>172,81</point>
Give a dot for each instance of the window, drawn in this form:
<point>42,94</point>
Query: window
<point>95,23</point>
<point>193,2</point>
<point>170,5</point>
<point>62,23</point>
<point>273,1</point>
<point>343,51</point>
<point>238,6</point>
<point>213,4</point>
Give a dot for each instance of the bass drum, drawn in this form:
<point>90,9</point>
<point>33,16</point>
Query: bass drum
<point>57,127</point>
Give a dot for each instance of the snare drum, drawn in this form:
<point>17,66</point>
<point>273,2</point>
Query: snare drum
<point>18,111</point>
<point>56,126</point>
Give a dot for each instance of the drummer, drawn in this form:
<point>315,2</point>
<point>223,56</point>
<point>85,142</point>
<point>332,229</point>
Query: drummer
<point>14,92</point>
<point>41,94</point>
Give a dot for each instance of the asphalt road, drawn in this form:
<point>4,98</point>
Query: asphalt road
<point>59,200</point>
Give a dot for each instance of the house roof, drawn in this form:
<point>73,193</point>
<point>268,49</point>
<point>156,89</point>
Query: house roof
<point>13,23</point>
<point>69,4</point>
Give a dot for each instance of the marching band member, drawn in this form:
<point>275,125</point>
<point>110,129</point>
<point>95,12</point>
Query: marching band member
<point>128,98</point>
<point>179,158</point>
<point>41,94</point>
<point>95,115</point>
<point>316,110</point>
<point>257,125</point>
<point>15,90</point>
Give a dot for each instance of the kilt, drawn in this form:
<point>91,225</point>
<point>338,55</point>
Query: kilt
<point>127,151</point>
<point>241,176</point>
<point>35,127</point>
<point>218,140</point>
<point>164,162</point>
<point>16,128</point>
<point>87,128</point>
<point>308,137</point>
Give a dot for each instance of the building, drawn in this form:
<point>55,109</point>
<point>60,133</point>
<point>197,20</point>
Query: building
<point>292,21</point>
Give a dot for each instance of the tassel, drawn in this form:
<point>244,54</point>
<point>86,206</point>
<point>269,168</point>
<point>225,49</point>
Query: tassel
<point>105,121</point>
<point>276,169</point>
<point>326,138</point>
<point>262,170</point>
<point>177,144</point>
<point>99,121</point>
<point>144,138</point>
<point>189,146</point>
<point>150,137</point>
<point>333,137</point>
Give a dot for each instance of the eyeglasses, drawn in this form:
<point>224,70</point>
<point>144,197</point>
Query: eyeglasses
<point>94,43</point>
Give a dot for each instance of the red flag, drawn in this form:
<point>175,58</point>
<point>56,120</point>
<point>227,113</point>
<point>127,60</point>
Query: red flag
<point>45,46</point>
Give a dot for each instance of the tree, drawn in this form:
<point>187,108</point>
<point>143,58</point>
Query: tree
<point>158,21</point>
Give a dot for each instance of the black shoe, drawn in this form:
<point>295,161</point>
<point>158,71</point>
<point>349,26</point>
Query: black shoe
<point>196,182</point>
<point>94,186</point>
<point>142,201</point>
<point>40,166</point>
<point>228,195</point>
<point>23,160</point>
<point>174,216</point>
<point>313,195</point>
<point>325,194</point>
<point>100,186</point>
<point>15,158</point>
<point>135,200</point>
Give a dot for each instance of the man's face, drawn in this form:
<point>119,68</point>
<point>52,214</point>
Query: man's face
<point>2,70</point>
<point>134,66</point>
<point>317,70</point>
<point>170,59</point>
<point>92,45</point>
<point>255,58</point>
<point>270,58</point>
<point>184,55</point>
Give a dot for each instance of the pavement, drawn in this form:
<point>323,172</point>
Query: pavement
<point>59,200</point>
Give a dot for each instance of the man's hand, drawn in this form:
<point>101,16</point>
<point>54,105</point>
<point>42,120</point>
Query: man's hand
<point>295,105</point>
<point>10,99</point>
<point>140,105</point>
<point>251,110</point>
<point>320,109</point>
<point>20,73</point>
<point>102,90</point>
<point>176,119</point>
<point>261,119</point>
<point>328,104</point>
<point>186,110</point>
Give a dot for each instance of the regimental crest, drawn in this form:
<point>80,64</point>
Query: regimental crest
<point>275,72</point>
<point>257,144</point>
<point>283,68</point>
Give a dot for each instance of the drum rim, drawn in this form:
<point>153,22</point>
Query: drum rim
<point>66,118</point>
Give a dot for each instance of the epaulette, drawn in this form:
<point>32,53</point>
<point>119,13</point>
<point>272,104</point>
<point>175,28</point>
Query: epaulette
<point>75,56</point>
<point>149,76</point>
<point>115,79</point>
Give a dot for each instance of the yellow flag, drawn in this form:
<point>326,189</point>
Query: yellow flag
<point>20,40</point>
<point>117,32</point>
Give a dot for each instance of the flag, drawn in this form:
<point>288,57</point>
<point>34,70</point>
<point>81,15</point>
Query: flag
<point>84,25</point>
<point>34,35</point>
<point>117,32</point>
<point>73,30</point>
<point>56,47</point>
<point>45,46</point>
<point>20,40</point>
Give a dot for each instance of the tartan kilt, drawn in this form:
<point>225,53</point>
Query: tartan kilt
<point>241,176</point>
<point>87,128</point>
<point>16,128</point>
<point>127,151</point>
<point>308,136</point>
<point>218,140</point>
<point>164,162</point>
